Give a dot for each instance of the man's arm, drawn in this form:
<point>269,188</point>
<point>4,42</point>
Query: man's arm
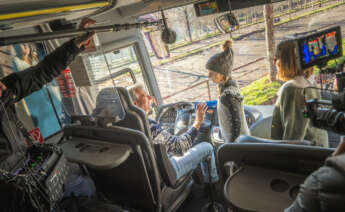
<point>176,144</point>
<point>179,144</point>
<point>25,82</point>
<point>30,80</point>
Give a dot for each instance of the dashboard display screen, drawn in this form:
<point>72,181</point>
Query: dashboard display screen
<point>206,8</point>
<point>319,47</point>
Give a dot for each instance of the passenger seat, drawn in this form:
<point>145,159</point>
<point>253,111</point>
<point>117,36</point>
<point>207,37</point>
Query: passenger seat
<point>262,128</point>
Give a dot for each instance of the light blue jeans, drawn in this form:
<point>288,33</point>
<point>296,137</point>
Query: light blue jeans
<point>190,160</point>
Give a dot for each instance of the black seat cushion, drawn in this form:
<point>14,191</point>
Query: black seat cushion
<point>252,139</point>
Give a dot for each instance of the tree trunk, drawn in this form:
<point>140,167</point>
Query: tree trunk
<point>188,25</point>
<point>269,36</point>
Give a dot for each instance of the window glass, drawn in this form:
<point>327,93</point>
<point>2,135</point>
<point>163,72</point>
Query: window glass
<point>123,66</point>
<point>104,71</point>
<point>95,95</point>
<point>180,68</point>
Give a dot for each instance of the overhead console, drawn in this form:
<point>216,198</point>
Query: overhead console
<point>146,7</point>
<point>220,6</point>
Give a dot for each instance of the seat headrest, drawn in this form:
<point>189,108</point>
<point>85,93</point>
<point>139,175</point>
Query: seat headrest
<point>125,97</point>
<point>252,139</point>
<point>133,111</point>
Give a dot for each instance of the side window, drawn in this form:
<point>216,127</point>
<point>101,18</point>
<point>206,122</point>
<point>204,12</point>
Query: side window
<point>87,86</point>
<point>36,110</point>
<point>123,65</point>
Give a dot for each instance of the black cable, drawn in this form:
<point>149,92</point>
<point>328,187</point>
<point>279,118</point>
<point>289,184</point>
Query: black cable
<point>34,190</point>
<point>230,10</point>
<point>3,108</point>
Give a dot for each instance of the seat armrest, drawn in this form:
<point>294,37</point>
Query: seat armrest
<point>164,165</point>
<point>166,169</point>
<point>253,139</point>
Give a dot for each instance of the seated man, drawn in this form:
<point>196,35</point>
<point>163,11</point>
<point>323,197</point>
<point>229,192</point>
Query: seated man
<point>324,189</point>
<point>183,155</point>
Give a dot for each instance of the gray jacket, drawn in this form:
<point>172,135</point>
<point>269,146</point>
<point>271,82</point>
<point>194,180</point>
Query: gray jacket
<point>324,189</point>
<point>289,123</point>
<point>230,111</point>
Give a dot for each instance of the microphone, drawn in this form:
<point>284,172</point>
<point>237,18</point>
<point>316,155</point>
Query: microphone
<point>168,36</point>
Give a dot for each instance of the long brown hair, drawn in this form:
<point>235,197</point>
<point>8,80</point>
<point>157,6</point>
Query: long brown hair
<point>286,54</point>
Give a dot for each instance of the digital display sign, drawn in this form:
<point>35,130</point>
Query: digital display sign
<point>206,8</point>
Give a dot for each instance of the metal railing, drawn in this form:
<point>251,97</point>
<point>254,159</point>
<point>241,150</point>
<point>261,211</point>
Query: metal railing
<point>208,83</point>
<point>191,87</point>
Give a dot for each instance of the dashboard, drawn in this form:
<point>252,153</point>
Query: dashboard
<point>180,116</point>
<point>169,115</point>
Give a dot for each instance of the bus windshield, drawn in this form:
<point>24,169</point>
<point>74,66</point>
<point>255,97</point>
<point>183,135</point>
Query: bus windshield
<point>180,67</point>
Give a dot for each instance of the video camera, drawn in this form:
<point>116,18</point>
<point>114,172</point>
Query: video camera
<point>317,49</point>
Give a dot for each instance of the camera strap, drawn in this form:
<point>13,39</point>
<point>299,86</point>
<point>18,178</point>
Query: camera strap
<point>26,134</point>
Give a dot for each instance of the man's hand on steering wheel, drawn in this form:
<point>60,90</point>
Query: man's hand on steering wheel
<point>201,108</point>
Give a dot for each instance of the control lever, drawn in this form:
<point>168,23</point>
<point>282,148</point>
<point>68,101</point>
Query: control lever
<point>211,206</point>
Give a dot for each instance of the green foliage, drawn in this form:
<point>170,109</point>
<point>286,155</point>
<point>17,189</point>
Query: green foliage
<point>333,63</point>
<point>260,91</point>
<point>263,90</point>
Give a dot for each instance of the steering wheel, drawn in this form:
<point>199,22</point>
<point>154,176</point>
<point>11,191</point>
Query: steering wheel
<point>249,118</point>
<point>182,112</point>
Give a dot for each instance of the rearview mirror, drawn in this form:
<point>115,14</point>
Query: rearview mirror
<point>227,23</point>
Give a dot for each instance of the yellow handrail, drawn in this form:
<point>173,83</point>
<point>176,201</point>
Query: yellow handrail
<point>52,10</point>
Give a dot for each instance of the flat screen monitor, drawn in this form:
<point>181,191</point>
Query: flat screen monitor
<point>319,47</point>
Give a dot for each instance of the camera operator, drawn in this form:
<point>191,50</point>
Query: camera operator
<point>15,87</point>
<point>324,189</point>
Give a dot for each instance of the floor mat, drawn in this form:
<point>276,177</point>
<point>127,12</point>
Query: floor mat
<point>196,200</point>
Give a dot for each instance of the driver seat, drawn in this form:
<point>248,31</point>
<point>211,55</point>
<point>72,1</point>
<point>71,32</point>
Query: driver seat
<point>173,191</point>
<point>135,117</point>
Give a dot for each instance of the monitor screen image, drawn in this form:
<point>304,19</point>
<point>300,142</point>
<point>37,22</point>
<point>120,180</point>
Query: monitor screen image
<point>320,47</point>
<point>206,8</point>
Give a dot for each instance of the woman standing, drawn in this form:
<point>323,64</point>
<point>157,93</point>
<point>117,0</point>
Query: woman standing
<point>288,122</point>
<point>230,108</point>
